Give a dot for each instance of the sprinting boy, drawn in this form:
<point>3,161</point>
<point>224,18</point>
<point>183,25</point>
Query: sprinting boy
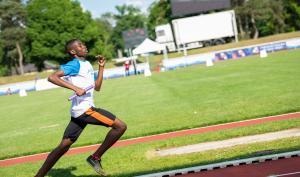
<point>80,76</point>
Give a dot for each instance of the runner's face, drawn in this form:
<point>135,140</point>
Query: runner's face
<point>80,49</point>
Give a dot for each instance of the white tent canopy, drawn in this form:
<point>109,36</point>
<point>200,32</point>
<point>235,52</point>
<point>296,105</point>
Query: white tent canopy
<point>148,46</point>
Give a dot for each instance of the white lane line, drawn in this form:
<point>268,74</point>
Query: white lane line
<point>286,174</point>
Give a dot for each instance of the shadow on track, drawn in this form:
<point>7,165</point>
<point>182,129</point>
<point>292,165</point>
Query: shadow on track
<point>66,172</point>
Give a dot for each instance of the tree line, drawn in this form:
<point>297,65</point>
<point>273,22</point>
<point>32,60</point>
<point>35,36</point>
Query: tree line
<point>36,31</point>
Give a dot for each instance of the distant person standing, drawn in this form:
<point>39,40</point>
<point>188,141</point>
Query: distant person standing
<point>8,91</point>
<point>127,65</point>
<point>83,112</point>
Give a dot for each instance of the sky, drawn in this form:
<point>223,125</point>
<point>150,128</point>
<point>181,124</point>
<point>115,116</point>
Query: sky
<point>98,7</point>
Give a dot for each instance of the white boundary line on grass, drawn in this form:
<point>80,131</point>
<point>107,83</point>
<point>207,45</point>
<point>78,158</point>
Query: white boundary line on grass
<point>44,153</point>
<point>224,164</point>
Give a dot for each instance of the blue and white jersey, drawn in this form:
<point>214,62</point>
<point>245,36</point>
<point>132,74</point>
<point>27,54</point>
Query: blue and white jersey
<point>81,74</point>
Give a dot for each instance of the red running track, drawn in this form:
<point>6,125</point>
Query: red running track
<point>289,167</point>
<point>42,156</point>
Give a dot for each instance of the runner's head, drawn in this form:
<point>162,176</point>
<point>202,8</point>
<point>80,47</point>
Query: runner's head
<point>76,48</point>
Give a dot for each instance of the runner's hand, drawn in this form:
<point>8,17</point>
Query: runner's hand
<point>79,91</point>
<point>101,60</point>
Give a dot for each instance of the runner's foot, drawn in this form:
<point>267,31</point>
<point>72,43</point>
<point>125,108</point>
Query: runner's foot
<point>96,165</point>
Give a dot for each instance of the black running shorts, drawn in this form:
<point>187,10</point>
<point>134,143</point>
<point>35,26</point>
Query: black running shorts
<point>95,116</point>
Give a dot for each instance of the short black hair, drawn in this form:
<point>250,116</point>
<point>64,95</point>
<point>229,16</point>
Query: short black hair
<point>69,44</point>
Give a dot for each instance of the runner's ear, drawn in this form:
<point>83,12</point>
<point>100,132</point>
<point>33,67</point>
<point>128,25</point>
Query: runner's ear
<point>72,52</point>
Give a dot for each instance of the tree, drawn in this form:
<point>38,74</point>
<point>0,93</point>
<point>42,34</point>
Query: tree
<point>274,19</point>
<point>13,36</point>
<point>127,17</point>
<point>160,13</point>
<point>259,18</point>
<point>239,6</point>
<point>104,46</point>
<point>292,15</point>
<point>3,68</point>
<point>53,22</point>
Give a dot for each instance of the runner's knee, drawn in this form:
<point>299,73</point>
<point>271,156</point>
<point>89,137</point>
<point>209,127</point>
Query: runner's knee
<point>65,144</point>
<point>123,127</point>
<point>119,125</point>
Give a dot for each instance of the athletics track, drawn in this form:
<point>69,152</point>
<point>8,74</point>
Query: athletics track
<point>274,165</point>
<point>78,150</point>
<point>279,168</point>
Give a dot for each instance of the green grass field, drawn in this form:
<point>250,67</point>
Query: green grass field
<point>184,98</point>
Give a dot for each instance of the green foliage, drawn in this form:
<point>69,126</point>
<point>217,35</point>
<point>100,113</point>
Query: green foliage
<point>1,52</point>
<point>292,15</point>
<point>3,68</point>
<point>269,16</point>
<point>258,18</point>
<point>12,23</point>
<point>127,17</point>
<point>160,13</point>
<point>104,46</point>
<point>53,22</point>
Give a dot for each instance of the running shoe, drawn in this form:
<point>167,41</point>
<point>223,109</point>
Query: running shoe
<point>96,165</point>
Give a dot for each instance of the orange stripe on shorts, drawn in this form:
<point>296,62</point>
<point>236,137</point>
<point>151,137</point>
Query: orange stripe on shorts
<point>99,117</point>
